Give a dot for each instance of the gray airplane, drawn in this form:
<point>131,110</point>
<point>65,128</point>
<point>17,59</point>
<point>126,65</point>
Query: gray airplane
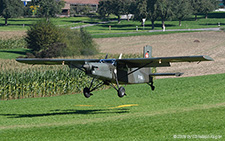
<point>119,71</point>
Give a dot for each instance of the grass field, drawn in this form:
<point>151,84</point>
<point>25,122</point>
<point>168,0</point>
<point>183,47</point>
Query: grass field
<point>125,26</point>
<point>179,108</point>
<point>24,23</point>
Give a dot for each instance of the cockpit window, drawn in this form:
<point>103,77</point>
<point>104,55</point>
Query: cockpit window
<point>109,61</point>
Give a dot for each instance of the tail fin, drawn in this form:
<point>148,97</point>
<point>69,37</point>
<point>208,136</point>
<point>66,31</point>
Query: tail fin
<point>147,52</point>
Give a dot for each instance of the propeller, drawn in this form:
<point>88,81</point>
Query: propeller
<point>106,56</point>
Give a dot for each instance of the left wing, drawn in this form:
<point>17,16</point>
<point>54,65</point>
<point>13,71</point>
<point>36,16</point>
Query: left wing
<point>78,63</point>
<point>160,61</point>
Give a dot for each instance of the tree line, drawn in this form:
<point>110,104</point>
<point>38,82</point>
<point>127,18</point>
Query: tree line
<point>41,8</point>
<point>149,9</point>
<point>45,39</point>
<point>157,9</point>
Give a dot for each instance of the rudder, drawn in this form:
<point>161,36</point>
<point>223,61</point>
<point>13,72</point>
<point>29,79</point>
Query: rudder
<point>147,51</point>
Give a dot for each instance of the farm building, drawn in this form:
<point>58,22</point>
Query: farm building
<point>78,6</point>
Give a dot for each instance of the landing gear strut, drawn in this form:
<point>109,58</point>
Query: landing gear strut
<point>120,90</point>
<point>87,91</point>
<point>151,84</point>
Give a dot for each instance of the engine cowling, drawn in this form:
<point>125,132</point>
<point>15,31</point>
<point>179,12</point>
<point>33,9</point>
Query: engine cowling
<point>89,68</point>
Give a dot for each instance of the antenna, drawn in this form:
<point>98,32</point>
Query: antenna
<point>106,56</point>
<point>121,56</point>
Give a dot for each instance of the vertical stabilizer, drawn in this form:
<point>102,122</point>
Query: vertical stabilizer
<point>147,51</point>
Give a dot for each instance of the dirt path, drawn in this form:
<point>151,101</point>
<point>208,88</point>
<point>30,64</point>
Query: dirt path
<point>197,43</point>
<point>11,34</point>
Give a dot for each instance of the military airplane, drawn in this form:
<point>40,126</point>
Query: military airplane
<point>119,71</point>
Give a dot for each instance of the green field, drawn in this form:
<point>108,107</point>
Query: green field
<point>24,23</point>
<point>185,108</point>
<point>125,26</point>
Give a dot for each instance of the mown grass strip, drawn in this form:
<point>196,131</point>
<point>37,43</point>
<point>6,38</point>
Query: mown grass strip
<point>179,106</point>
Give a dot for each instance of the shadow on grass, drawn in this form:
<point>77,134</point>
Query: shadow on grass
<point>16,52</point>
<point>214,24</point>
<point>19,25</point>
<point>69,112</point>
<point>133,26</point>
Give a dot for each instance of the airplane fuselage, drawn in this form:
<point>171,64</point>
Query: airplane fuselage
<point>108,72</point>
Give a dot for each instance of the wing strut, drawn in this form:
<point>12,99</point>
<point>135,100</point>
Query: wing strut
<point>137,69</point>
<point>74,66</point>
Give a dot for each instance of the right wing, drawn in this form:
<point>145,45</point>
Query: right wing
<point>160,61</point>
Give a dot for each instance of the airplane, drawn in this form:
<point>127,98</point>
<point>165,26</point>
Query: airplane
<point>119,71</point>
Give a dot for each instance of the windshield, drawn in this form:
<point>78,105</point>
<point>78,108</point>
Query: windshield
<point>110,61</point>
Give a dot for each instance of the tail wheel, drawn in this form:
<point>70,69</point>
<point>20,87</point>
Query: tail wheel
<point>121,92</point>
<point>86,92</point>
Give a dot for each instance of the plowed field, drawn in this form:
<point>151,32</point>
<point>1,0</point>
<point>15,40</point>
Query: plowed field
<point>180,44</point>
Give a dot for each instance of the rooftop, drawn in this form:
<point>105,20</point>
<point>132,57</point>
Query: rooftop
<point>82,1</point>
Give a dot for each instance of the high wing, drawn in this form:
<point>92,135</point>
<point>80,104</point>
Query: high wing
<point>160,61</point>
<point>131,63</point>
<point>77,63</point>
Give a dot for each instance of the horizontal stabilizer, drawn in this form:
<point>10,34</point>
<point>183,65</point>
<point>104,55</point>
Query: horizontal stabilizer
<point>166,74</point>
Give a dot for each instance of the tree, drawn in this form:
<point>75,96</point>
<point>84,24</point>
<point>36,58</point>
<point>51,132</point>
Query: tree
<point>49,8</point>
<point>11,9</point>
<point>208,6</point>
<point>118,8</point>
<point>181,9</point>
<point>104,8</point>
<point>141,9</point>
<point>152,11</point>
<point>195,4</point>
<point>129,6</point>
<point>47,40</point>
<point>164,9</point>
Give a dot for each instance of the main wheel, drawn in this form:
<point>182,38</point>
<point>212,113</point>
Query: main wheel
<point>153,88</point>
<point>121,92</point>
<point>86,92</point>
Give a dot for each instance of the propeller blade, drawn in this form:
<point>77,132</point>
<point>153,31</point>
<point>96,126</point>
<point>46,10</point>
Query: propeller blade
<point>106,56</point>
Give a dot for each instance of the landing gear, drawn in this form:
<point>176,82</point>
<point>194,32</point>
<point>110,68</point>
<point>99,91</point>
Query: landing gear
<point>121,92</point>
<point>151,84</point>
<point>87,92</point>
<point>152,87</point>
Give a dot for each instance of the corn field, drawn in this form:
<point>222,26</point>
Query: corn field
<point>12,43</point>
<point>25,81</point>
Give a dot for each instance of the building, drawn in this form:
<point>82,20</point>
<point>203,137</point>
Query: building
<point>66,10</point>
<point>77,6</point>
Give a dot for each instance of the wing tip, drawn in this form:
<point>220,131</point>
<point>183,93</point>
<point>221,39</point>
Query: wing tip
<point>208,58</point>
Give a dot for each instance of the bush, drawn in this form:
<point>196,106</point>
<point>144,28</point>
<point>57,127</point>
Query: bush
<point>47,40</point>
<point>55,50</point>
<point>41,36</point>
<point>88,46</point>
<point>78,43</point>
